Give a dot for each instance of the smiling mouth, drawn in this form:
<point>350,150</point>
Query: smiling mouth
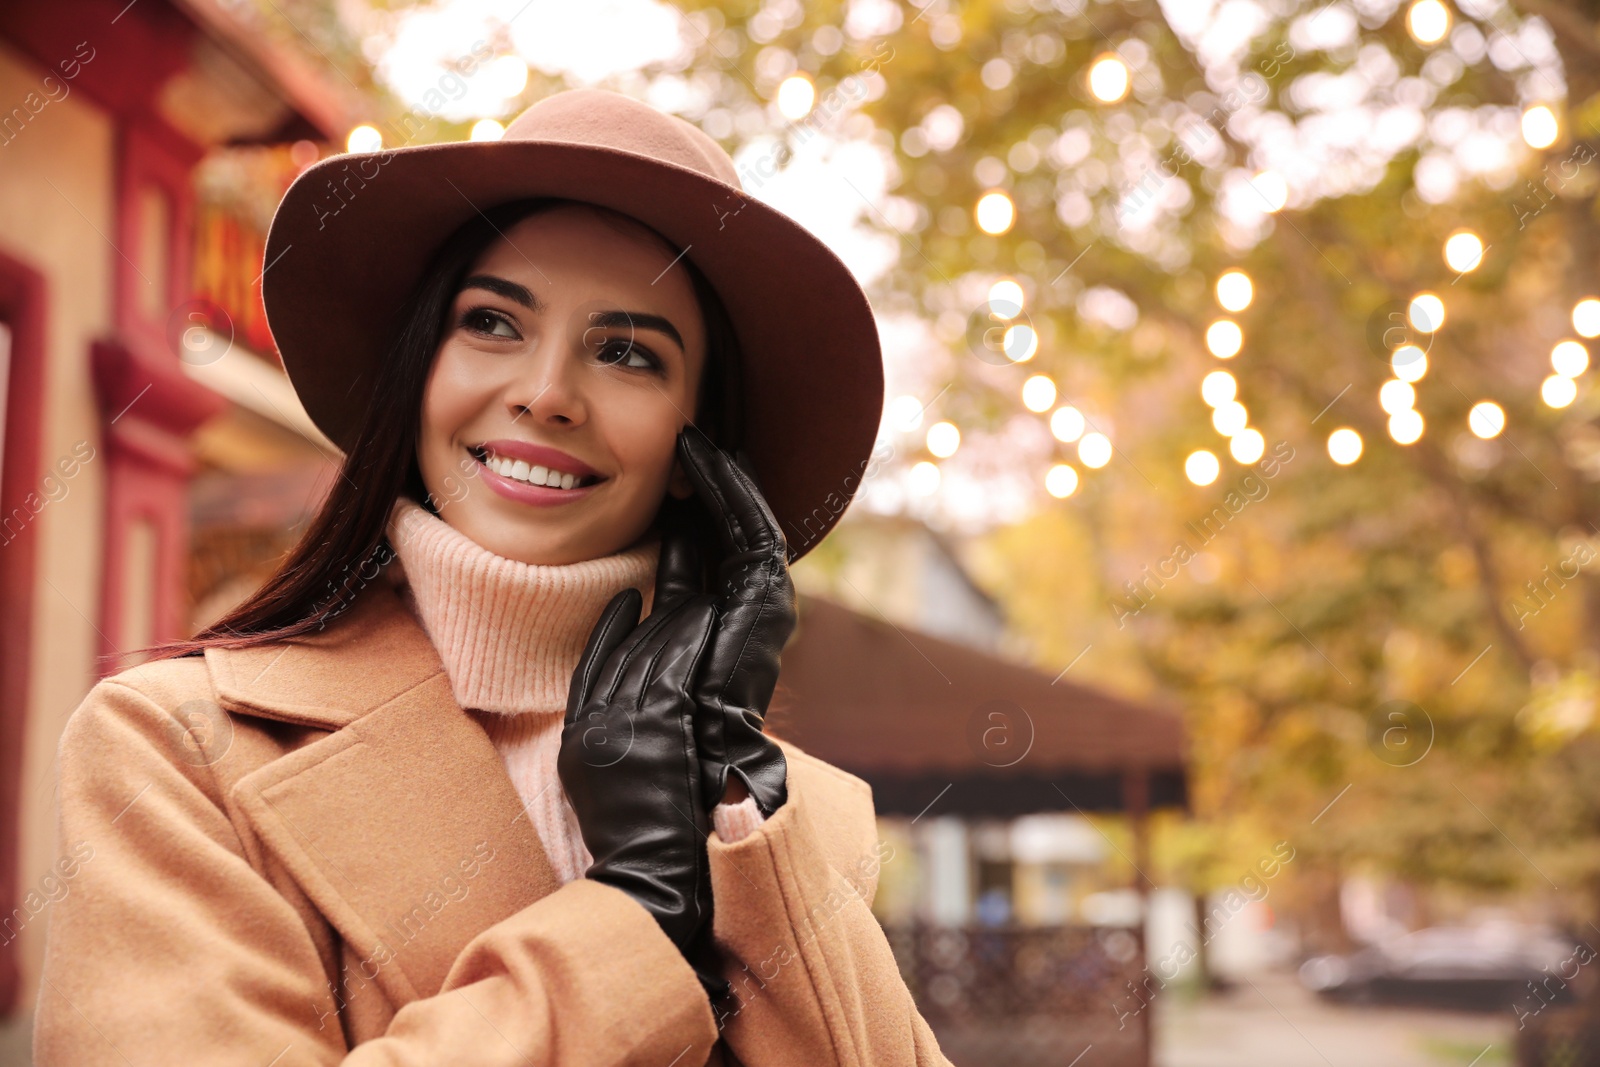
<point>521,470</point>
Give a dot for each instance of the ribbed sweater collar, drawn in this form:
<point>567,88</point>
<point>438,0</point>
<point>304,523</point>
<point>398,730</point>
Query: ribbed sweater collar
<point>509,633</point>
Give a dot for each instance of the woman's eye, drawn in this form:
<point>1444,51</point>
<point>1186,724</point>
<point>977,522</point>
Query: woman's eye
<point>623,349</point>
<point>482,320</point>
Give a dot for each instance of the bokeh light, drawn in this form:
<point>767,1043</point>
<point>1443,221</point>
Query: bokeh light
<point>1273,189</point>
<point>1558,391</point>
<point>1230,417</point>
<point>1038,393</point>
<point>1569,358</point>
<point>1020,342</point>
<point>1409,363</point>
<point>1067,424</point>
<point>487,130</point>
<point>1428,21</point>
<point>1396,396</point>
<point>364,139</point>
<point>1061,481</point>
<point>1218,387</point>
<point>1005,298</point>
<point>1094,450</point>
<point>1463,251</point>
<point>1224,338</point>
<point>1344,446</point>
<point>796,95</point>
<point>1405,426</point>
<point>995,212</point>
<point>925,478</point>
<point>1426,312</point>
<point>1234,291</point>
<point>1486,419</point>
<point>1109,78</point>
<point>1202,467</point>
<point>1539,127</point>
<point>1247,445</point>
<point>943,439</point>
<point>905,412</point>
<point>1586,317</point>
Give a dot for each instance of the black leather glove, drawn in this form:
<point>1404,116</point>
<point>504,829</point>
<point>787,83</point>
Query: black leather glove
<point>627,758</point>
<point>755,602</point>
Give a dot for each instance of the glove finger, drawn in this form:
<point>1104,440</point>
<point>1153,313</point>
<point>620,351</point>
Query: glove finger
<point>744,520</point>
<point>679,572</point>
<point>619,618</point>
<point>667,653</point>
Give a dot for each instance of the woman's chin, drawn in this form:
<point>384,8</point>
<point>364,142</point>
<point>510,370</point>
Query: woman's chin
<point>548,541</point>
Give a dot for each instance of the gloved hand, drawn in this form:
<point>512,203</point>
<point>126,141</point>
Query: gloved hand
<point>628,760</point>
<point>755,602</point>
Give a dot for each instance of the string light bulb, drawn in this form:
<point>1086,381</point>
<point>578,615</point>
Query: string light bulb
<point>1061,481</point>
<point>1344,446</point>
<point>1235,291</point>
<point>1428,21</point>
<point>1569,359</point>
<point>1109,78</point>
<point>1201,467</point>
<point>1539,126</point>
<point>1224,338</point>
<point>1486,419</point>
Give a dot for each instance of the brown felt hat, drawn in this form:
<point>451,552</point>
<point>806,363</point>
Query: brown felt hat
<point>355,232</point>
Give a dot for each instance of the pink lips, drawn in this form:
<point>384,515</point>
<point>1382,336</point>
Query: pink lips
<point>539,456</point>
<point>536,455</point>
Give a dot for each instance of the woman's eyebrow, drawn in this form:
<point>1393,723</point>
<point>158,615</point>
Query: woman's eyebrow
<point>506,288</point>
<point>605,320</point>
<point>639,320</point>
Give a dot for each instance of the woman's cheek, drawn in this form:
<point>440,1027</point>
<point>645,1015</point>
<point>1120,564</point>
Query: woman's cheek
<point>446,409</point>
<point>453,394</point>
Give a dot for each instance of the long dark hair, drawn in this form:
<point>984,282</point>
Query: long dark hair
<point>345,546</point>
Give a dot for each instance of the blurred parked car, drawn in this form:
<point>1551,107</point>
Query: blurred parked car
<point>1495,967</point>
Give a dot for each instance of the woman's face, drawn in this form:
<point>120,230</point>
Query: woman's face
<point>572,350</point>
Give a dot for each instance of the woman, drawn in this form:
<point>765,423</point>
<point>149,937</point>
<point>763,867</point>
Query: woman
<point>435,793</point>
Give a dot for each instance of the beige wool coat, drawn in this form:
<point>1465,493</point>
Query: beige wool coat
<point>308,853</point>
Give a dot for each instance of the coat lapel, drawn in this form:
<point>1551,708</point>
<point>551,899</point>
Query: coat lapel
<point>401,824</point>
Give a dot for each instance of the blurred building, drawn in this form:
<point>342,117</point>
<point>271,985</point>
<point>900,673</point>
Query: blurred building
<point>1008,907</point>
<point>153,455</point>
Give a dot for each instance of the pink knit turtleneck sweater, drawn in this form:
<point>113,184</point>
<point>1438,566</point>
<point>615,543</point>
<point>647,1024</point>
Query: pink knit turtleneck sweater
<point>510,635</point>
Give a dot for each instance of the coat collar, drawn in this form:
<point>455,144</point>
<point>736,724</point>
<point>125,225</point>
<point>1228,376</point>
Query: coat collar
<point>400,824</point>
<point>312,680</point>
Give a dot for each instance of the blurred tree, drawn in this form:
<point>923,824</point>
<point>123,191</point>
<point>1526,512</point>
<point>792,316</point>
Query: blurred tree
<point>1412,638</point>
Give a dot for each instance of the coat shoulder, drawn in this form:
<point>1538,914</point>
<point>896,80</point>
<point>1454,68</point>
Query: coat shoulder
<point>146,697</point>
<point>823,776</point>
<point>839,804</point>
<point>165,714</point>
<point>166,682</point>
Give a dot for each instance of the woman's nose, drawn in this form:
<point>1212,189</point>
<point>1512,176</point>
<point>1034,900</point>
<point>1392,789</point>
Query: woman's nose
<point>549,384</point>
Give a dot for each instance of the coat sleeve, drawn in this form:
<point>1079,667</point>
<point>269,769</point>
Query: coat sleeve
<point>814,980</point>
<point>169,946</point>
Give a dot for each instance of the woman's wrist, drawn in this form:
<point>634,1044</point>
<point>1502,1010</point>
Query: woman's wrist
<point>733,822</point>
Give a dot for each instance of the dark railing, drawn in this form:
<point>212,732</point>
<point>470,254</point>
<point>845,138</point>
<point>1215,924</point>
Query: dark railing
<point>1027,996</point>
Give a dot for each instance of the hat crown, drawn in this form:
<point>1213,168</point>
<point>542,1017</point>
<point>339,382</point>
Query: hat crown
<point>611,120</point>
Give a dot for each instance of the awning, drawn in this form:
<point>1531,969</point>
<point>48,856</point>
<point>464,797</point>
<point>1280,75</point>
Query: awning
<point>939,726</point>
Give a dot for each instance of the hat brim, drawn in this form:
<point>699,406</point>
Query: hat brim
<point>342,258</point>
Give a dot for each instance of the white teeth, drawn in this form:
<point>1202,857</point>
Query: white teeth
<point>522,471</point>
